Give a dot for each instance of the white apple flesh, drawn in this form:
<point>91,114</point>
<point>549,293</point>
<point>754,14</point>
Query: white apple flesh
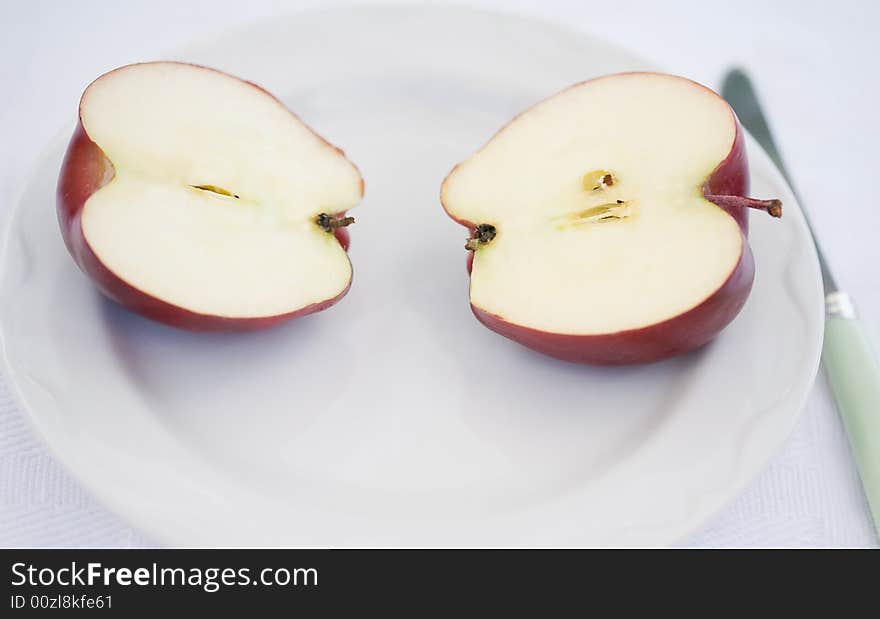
<point>199,200</point>
<point>598,234</point>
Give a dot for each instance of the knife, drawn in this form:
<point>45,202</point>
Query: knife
<point>850,363</point>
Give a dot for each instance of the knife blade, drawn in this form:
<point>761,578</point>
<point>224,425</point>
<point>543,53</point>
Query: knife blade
<point>850,363</point>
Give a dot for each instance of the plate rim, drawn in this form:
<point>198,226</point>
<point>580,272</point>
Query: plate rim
<point>749,468</point>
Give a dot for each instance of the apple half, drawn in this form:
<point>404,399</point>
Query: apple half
<point>197,199</point>
<point>609,222</point>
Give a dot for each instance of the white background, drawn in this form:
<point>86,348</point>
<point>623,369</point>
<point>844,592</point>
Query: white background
<point>816,67</point>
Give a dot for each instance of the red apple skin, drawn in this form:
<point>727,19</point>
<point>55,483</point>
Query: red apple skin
<point>84,171</point>
<point>675,336</point>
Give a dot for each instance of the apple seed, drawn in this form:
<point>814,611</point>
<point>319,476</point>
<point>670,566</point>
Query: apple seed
<point>217,190</point>
<point>613,211</point>
<point>596,180</point>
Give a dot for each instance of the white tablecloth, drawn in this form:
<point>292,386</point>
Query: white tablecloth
<point>816,68</point>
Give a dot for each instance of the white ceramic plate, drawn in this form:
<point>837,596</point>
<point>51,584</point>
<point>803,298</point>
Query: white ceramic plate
<point>395,418</point>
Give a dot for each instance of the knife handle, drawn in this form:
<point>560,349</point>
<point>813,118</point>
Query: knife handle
<point>854,376</point>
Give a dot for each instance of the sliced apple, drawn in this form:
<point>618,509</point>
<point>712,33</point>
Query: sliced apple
<point>608,223</point>
<point>197,199</point>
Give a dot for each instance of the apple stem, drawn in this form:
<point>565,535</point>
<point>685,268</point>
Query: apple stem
<point>773,207</point>
<point>329,223</point>
<point>482,234</point>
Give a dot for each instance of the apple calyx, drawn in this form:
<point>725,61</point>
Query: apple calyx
<point>773,207</point>
<point>329,223</point>
<point>482,235</point>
